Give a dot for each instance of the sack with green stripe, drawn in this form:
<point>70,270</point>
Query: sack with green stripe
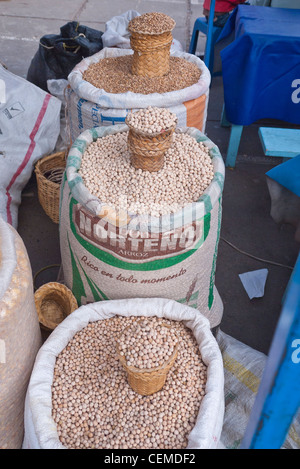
<point>173,256</point>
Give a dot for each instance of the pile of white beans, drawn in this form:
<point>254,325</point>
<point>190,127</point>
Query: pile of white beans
<point>152,120</point>
<point>146,346</point>
<point>108,174</point>
<point>93,405</point>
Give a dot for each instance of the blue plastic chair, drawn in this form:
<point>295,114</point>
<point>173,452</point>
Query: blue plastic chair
<point>212,32</point>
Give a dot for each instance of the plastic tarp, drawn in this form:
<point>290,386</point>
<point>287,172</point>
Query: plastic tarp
<point>261,67</point>
<point>287,174</point>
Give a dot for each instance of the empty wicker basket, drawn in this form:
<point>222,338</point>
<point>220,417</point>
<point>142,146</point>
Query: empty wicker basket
<point>151,56</point>
<point>148,381</point>
<point>54,302</point>
<point>49,171</point>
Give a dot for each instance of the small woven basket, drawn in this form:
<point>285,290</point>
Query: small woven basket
<point>148,381</point>
<point>151,52</point>
<point>148,150</point>
<point>54,302</point>
<point>49,171</point>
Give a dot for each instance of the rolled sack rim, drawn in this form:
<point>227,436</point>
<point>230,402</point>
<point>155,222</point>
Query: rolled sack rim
<point>129,100</point>
<point>188,214</point>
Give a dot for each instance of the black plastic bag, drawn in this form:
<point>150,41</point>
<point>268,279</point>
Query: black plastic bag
<point>58,54</point>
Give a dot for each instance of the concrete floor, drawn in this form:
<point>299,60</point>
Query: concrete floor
<point>246,221</point>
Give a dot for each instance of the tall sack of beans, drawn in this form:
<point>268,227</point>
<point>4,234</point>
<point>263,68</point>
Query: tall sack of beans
<point>89,106</point>
<point>112,254</point>
<point>20,336</point>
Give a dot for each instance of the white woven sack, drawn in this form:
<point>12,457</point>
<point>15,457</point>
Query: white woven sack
<point>88,106</point>
<point>116,32</point>
<point>172,256</point>
<point>40,428</point>
<point>20,336</point>
<point>243,370</point>
<point>29,129</point>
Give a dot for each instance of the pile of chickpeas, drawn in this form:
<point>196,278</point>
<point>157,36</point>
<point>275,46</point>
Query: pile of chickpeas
<point>108,174</point>
<point>146,345</point>
<point>93,405</point>
<point>152,120</point>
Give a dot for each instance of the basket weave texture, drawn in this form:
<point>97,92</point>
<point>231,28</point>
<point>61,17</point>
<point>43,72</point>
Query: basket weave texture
<point>151,56</point>
<point>148,381</point>
<point>49,190</point>
<point>151,47</point>
<point>54,302</point>
<point>148,150</point>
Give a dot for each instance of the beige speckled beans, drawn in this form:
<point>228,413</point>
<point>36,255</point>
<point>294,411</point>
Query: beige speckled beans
<point>108,174</point>
<point>94,406</point>
<point>147,345</point>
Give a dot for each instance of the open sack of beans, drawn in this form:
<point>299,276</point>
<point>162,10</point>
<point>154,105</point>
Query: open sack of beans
<point>90,105</point>
<point>102,89</point>
<point>128,232</point>
<point>20,336</point>
<point>80,396</point>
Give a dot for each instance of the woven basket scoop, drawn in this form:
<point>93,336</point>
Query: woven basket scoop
<point>151,39</point>
<point>148,381</point>
<point>148,150</point>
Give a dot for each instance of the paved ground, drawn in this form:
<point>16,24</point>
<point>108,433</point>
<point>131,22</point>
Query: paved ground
<point>23,23</point>
<point>246,221</point>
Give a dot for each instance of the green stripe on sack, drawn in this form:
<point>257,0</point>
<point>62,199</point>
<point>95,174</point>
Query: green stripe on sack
<point>207,202</point>
<point>94,134</point>
<point>80,145</point>
<point>104,297</point>
<point>219,178</point>
<point>77,285</point>
<point>194,296</point>
<point>97,293</point>
<point>75,161</point>
<point>213,270</point>
<point>110,259</point>
<point>74,182</point>
<point>62,187</point>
